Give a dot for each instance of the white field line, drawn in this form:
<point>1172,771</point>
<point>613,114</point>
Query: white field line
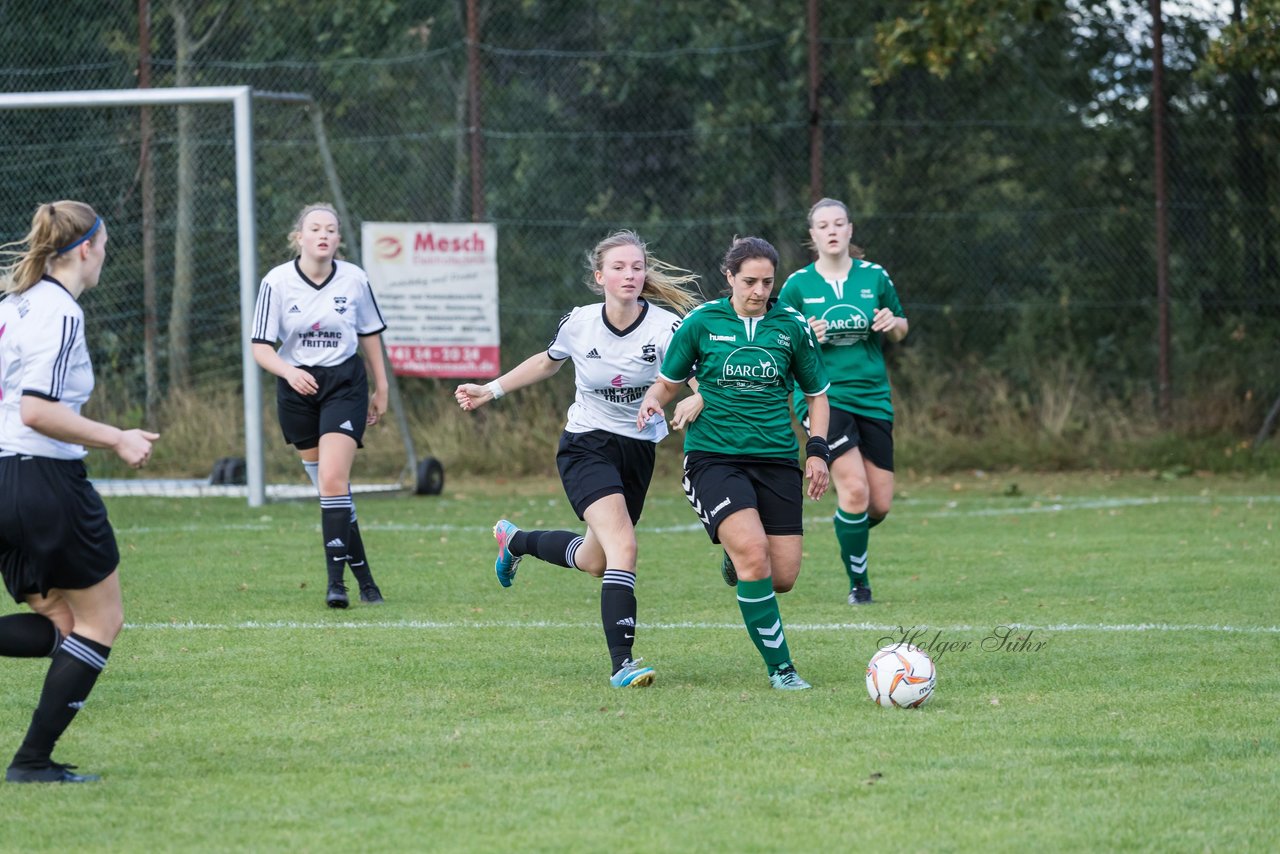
<point>447,625</point>
<point>949,510</point>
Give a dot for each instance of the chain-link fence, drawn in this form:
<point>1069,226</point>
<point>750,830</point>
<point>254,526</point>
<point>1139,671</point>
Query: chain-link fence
<point>1012,202</point>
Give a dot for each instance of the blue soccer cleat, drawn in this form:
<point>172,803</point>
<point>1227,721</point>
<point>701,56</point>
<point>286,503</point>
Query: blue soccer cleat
<point>785,678</point>
<point>505,566</point>
<point>632,675</point>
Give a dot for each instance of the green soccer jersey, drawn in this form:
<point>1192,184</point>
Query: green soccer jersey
<point>851,353</point>
<point>745,367</point>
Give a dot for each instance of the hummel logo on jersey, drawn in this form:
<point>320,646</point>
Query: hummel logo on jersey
<point>715,337</point>
<point>345,425</point>
<point>335,543</point>
<point>295,310</point>
<point>627,621</point>
<point>594,354</point>
<point>815,299</point>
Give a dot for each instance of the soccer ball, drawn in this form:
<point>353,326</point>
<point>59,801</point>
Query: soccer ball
<point>901,676</point>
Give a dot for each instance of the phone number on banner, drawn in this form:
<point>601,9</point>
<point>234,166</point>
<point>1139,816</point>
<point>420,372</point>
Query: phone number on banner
<point>450,361</point>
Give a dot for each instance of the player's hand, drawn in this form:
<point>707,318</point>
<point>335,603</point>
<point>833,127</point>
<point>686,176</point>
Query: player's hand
<point>883,320</point>
<point>302,382</point>
<point>472,396</point>
<point>687,411</point>
<point>819,327</point>
<point>377,406</point>
<point>819,477</point>
<point>134,447</point>
<point>648,409</point>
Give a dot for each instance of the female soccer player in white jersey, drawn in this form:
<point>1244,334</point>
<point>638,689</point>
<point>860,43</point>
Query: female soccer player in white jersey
<point>605,464</point>
<point>740,470</point>
<point>323,312</point>
<point>57,549</point>
<point>851,304</point>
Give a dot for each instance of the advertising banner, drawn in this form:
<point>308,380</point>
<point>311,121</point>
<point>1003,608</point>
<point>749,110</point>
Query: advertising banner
<point>437,286</point>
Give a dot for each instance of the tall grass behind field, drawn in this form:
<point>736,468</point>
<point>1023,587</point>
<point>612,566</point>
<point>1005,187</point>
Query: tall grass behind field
<point>1053,415</point>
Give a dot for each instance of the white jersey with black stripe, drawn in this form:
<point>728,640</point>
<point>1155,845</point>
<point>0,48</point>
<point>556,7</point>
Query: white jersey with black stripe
<point>613,368</point>
<point>43,354</point>
<point>317,324</point>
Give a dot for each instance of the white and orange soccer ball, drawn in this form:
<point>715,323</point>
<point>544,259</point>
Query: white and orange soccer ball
<point>901,676</point>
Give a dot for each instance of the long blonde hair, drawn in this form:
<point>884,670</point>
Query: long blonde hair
<point>662,281</point>
<point>295,244</point>
<point>55,228</point>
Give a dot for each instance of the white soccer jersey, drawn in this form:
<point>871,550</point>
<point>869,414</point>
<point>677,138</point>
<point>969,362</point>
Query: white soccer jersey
<point>42,353</point>
<point>318,325</point>
<point>613,368</point>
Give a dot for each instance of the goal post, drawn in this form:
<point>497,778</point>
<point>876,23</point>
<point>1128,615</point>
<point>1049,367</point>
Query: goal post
<point>241,101</point>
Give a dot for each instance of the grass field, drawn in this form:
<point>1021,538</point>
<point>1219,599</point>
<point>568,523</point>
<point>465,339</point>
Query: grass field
<point>1133,705</point>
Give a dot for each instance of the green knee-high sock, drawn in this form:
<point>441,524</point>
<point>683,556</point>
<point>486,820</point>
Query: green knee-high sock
<point>852,535</point>
<point>760,612</point>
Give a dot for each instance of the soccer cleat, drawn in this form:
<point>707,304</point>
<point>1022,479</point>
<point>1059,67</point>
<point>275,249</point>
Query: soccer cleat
<point>860,596</point>
<point>785,678</point>
<point>370,594</point>
<point>632,675</point>
<point>728,571</point>
<point>505,566</point>
<point>55,772</point>
<point>337,595</point>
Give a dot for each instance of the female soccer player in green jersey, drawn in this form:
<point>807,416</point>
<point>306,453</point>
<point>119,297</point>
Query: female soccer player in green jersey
<point>740,470</point>
<point>851,304</point>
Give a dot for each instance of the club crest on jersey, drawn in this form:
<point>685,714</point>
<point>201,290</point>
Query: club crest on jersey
<point>340,305</point>
<point>846,324</point>
<point>750,368</point>
<point>649,353</point>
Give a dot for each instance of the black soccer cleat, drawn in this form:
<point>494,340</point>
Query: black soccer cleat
<point>728,571</point>
<point>337,595</point>
<point>860,596</point>
<point>370,594</point>
<point>54,772</point>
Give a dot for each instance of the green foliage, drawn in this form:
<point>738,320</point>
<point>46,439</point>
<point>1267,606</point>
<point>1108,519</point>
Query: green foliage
<point>996,157</point>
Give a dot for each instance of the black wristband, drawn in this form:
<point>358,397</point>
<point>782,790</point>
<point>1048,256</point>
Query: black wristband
<point>817,447</point>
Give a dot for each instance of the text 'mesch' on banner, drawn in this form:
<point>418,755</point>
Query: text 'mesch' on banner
<point>437,286</point>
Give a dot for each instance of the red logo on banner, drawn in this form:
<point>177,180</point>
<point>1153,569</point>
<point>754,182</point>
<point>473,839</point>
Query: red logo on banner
<point>388,247</point>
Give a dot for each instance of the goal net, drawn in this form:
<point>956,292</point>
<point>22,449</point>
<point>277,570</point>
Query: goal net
<point>172,172</point>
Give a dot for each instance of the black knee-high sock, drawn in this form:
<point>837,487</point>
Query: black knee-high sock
<point>872,521</point>
<point>335,524</point>
<point>28,636</point>
<point>558,547</point>
<point>618,614</point>
<point>75,668</point>
<point>357,559</point>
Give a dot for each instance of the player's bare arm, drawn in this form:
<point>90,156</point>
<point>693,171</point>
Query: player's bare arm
<point>538,367</point>
<point>298,379</point>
